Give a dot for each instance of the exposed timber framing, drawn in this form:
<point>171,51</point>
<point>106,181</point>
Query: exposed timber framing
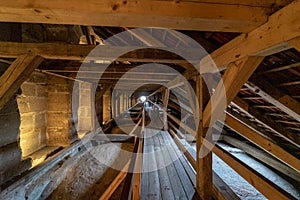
<point>276,127</point>
<point>16,74</point>
<point>265,186</point>
<point>267,145</point>
<point>105,53</point>
<point>220,189</point>
<point>234,78</point>
<point>278,69</point>
<point>115,183</point>
<point>263,157</point>
<point>295,43</point>
<point>204,180</point>
<point>274,96</point>
<point>165,108</point>
<point>272,37</point>
<point>193,102</point>
<point>210,15</point>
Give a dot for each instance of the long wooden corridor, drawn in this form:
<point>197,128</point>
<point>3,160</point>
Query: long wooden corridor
<point>174,177</point>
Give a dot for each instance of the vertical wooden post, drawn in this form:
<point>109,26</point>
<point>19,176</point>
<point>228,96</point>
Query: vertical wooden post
<point>107,107</point>
<point>193,104</point>
<point>165,107</point>
<point>204,184</point>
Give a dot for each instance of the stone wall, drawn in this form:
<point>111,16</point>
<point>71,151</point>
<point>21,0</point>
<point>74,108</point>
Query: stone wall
<point>60,124</point>
<point>32,105</point>
<point>86,113</point>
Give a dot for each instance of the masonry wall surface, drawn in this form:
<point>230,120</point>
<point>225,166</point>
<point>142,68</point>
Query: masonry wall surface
<point>33,110</point>
<point>60,123</point>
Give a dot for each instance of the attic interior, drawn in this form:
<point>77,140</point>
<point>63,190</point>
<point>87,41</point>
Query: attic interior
<point>153,99</point>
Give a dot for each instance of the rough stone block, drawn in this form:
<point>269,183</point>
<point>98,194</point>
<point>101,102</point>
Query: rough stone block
<point>59,88</point>
<point>23,104</point>
<point>58,136</point>
<point>41,91</point>
<point>37,77</point>
<point>40,120</point>
<point>37,104</point>
<point>27,123</point>
<point>31,142</point>
<point>28,89</point>
<point>58,119</point>
<point>59,102</point>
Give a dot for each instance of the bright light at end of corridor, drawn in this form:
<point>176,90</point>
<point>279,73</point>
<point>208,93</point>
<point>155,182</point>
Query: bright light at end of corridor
<point>143,98</point>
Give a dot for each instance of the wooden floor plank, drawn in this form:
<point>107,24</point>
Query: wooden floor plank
<point>165,184</point>
<point>185,181</point>
<point>177,187</point>
<point>153,178</point>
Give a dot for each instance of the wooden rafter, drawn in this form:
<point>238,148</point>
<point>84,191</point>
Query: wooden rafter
<point>295,43</point>
<point>268,146</point>
<point>270,38</point>
<point>16,74</point>
<point>210,15</point>
<point>277,98</point>
<point>204,173</point>
<point>234,78</point>
<point>265,186</point>
<point>59,51</point>
<point>262,117</point>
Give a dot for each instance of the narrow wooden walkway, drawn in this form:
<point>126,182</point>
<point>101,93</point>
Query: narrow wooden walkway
<point>166,173</point>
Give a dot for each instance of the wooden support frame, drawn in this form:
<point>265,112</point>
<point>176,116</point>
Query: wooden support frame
<point>136,184</point>
<point>295,43</point>
<point>234,78</point>
<point>263,157</point>
<point>268,146</point>
<point>77,52</point>
<point>265,186</point>
<point>16,74</point>
<point>269,38</point>
<point>193,104</point>
<point>220,189</point>
<point>165,108</point>
<point>115,184</point>
<point>209,15</point>
<point>204,180</point>
<point>271,124</point>
<point>282,101</point>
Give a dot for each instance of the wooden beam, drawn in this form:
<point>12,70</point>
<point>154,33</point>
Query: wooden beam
<point>268,146</point>
<point>271,124</point>
<point>183,125</point>
<point>59,51</point>
<point>165,108</point>
<point>295,43</point>
<point>263,157</point>
<point>289,83</point>
<point>278,69</point>
<point>275,96</point>
<point>220,189</point>
<point>193,104</point>
<point>185,15</point>
<point>270,38</point>
<point>204,180</point>
<point>115,184</point>
<point>265,186</point>
<point>234,78</point>
<point>16,74</point>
